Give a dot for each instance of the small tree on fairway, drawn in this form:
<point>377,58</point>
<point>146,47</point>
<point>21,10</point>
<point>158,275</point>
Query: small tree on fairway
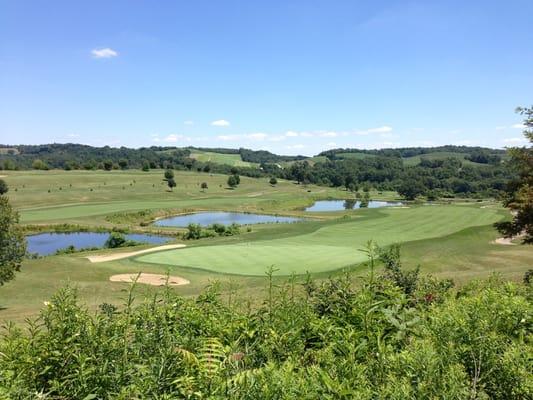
<point>169,179</point>
<point>12,242</point>
<point>171,183</point>
<point>232,181</point>
<point>204,185</point>
<point>273,181</point>
<point>3,187</point>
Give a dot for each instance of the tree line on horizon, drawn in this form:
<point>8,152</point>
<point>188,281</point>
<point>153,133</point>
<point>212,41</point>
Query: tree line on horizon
<point>485,176</point>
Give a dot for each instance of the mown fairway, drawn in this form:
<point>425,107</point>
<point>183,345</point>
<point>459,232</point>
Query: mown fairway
<point>86,197</point>
<point>332,246</point>
<point>449,240</point>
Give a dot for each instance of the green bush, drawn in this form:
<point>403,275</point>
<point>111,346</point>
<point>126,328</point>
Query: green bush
<point>332,340</point>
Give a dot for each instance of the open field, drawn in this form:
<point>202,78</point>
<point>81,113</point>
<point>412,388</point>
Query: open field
<point>449,240</point>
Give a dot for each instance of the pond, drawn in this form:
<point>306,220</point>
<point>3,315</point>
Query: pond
<point>48,243</point>
<point>221,217</point>
<point>337,205</point>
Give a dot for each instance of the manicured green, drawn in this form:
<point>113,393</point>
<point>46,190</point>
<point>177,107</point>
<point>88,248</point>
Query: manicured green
<point>332,246</point>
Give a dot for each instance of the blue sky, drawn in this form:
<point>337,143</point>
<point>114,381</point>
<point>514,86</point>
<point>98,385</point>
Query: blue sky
<point>293,77</point>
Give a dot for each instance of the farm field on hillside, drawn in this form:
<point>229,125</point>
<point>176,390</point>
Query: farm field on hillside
<point>221,158</point>
<point>415,160</point>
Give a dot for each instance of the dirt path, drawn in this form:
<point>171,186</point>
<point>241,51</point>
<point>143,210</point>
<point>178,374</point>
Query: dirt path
<point>3,176</point>
<point>150,279</point>
<point>119,256</point>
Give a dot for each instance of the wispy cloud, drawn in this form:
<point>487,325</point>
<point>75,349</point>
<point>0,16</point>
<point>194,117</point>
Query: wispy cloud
<point>295,147</point>
<point>172,138</point>
<point>73,135</point>
<point>514,140</point>
<point>518,126</point>
<point>188,122</point>
<point>381,129</point>
<point>220,122</point>
<point>104,53</point>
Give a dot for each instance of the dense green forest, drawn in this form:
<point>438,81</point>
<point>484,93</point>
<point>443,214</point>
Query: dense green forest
<point>394,336</point>
<point>456,170</point>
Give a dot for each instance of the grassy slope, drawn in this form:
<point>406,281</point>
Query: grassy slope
<point>219,158</point>
<point>415,160</point>
<point>357,156</point>
<point>332,246</point>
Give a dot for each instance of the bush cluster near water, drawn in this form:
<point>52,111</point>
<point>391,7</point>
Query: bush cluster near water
<point>195,231</point>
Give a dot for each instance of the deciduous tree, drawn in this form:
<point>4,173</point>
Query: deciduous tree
<point>12,242</point>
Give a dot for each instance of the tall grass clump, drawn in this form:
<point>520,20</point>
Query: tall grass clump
<point>395,336</point>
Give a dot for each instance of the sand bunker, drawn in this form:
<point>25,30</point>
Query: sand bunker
<point>3,176</point>
<point>150,279</point>
<point>504,241</point>
<point>119,256</point>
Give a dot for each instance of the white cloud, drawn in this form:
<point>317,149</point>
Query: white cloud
<point>295,146</point>
<point>381,129</point>
<point>331,144</point>
<point>229,137</point>
<point>328,134</point>
<point>172,138</point>
<point>257,136</point>
<point>291,134</point>
<point>220,122</point>
<point>104,53</point>
<point>277,138</point>
<point>73,135</point>
<point>188,122</point>
<point>514,140</point>
<point>518,126</point>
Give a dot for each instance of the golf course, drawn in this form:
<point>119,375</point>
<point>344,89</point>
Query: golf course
<point>452,239</point>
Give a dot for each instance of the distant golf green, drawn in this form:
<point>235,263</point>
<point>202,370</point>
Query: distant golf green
<point>331,246</point>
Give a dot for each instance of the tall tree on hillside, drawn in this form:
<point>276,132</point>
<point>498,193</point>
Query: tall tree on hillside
<point>520,190</point>
<point>12,242</point>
